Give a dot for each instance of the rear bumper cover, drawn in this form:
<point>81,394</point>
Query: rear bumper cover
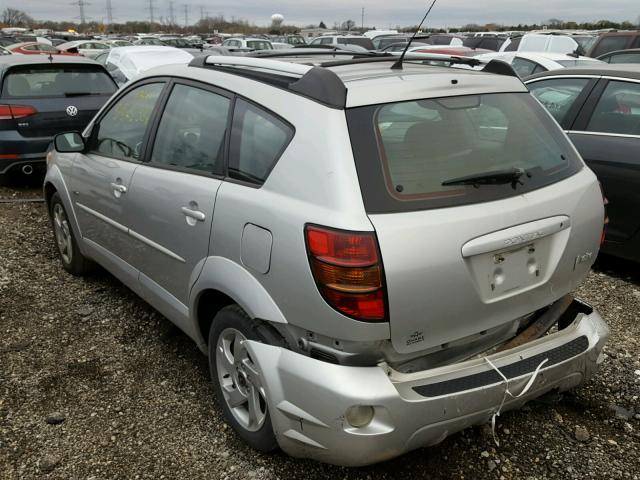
<point>308,398</point>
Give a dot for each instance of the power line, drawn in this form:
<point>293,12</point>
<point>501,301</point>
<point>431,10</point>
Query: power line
<point>109,12</point>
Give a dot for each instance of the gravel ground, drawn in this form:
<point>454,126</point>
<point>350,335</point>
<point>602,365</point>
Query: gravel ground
<point>94,384</point>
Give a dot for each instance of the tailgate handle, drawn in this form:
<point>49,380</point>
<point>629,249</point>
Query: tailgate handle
<point>515,236</point>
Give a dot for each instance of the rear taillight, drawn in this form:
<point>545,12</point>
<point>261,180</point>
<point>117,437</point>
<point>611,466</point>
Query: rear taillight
<point>605,202</point>
<point>10,112</point>
<point>347,269</point>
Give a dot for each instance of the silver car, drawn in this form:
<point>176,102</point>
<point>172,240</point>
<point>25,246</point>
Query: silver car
<point>372,258</point>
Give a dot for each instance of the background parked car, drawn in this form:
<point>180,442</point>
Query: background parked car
<point>41,98</point>
<point>149,41</point>
<point>612,41</point>
<point>487,42</point>
<point>118,43</point>
<point>363,42</point>
<point>528,63</point>
<point>239,44</point>
<point>88,48</point>
<point>34,48</point>
<point>631,55</point>
<point>533,42</point>
<point>602,117</point>
<point>124,63</point>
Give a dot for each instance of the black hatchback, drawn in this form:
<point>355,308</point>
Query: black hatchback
<point>599,108</point>
<point>40,97</point>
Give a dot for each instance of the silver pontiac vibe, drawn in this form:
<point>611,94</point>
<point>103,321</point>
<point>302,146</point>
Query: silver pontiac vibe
<point>371,258</point>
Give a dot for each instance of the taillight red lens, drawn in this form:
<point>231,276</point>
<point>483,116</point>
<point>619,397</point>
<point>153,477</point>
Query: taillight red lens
<point>346,266</point>
<point>5,112</point>
<point>605,202</point>
<point>9,112</point>
<point>21,111</point>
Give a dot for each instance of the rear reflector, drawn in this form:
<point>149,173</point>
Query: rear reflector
<point>605,202</point>
<point>346,267</point>
<point>10,112</point>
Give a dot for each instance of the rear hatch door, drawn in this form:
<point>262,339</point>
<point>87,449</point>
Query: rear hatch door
<point>463,258</point>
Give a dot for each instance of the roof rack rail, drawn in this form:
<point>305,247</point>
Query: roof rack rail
<point>318,84</point>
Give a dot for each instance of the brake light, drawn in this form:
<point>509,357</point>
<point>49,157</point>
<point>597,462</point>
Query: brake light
<point>605,202</point>
<point>10,112</point>
<point>347,269</point>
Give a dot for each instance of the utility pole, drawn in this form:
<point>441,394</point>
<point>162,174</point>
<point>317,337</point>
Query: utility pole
<point>186,15</point>
<point>81,4</point>
<point>109,12</point>
<point>172,17</point>
<point>362,23</point>
<point>201,13</point>
<point>151,10</point>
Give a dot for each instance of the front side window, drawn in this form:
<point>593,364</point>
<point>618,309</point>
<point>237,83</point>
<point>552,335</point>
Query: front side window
<point>120,133</point>
<point>618,110</point>
<point>258,139</point>
<point>427,149</point>
<point>192,130</point>
<point>558,95</point>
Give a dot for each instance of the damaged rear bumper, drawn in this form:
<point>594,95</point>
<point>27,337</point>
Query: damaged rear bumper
<point>308,398</point>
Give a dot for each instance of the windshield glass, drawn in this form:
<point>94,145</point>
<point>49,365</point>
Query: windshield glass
<point>424,143</point>
<point>58,81</point>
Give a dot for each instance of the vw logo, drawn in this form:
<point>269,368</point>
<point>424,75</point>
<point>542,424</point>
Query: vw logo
<point>72,111</point>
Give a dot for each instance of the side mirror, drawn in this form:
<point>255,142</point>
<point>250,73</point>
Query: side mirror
<point>70,142</point>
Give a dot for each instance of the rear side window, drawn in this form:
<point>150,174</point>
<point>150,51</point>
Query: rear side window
<point>258,139</point>
<point>610,44</point>
<point>524,68</point>
<point>58,81</point>
<point>558,95</point>
<point>618,110</point>
<point>514,45</point>
<point>425,143</point>
<point>258,45</point>
<point>633,57</point>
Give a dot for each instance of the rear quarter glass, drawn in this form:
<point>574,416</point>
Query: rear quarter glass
<point>405,151</point>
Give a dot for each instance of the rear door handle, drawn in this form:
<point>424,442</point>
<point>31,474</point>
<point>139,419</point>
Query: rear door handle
<point>195,214</point>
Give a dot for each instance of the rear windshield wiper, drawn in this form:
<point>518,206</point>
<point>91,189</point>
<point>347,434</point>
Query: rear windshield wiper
<point>495,177</point>
<point>78,94</point>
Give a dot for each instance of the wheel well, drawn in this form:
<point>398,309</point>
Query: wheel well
<point>49,190</point>
<point>210,303</point>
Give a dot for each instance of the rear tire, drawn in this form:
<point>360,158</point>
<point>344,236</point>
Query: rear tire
<point>72,259</point>
<point>237,383</point>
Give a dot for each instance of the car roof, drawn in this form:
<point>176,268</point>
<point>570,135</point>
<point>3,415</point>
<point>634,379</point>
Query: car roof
<point>363,83</point>
<point>9,60</point>
<point>625,70</point>
<point>618,52</point>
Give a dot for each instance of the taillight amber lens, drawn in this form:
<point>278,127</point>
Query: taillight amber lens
<point>347,268</point>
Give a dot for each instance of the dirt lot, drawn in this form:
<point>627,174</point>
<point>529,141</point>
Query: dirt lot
<point>94,384</point>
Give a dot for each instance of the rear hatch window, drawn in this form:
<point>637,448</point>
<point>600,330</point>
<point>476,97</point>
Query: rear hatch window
<point>406,153</point>
<point>57,81</point>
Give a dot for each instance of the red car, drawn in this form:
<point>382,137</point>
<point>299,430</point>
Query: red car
<point>35,48</point>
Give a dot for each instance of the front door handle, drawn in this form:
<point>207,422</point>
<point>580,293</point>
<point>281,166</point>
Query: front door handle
<point>195,214</point>
<point>118,187</point>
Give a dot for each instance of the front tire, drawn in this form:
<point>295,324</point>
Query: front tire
<point>72,259</point>
<point>238,384</point>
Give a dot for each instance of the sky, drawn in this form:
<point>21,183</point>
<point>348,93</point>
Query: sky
<point>379,13</point>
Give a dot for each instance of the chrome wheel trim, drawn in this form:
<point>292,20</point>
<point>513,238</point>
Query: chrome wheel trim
<point>240,381</point>
<point>62,233</point>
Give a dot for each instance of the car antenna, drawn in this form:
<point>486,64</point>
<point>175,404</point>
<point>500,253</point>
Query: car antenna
<point>398,64</point>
